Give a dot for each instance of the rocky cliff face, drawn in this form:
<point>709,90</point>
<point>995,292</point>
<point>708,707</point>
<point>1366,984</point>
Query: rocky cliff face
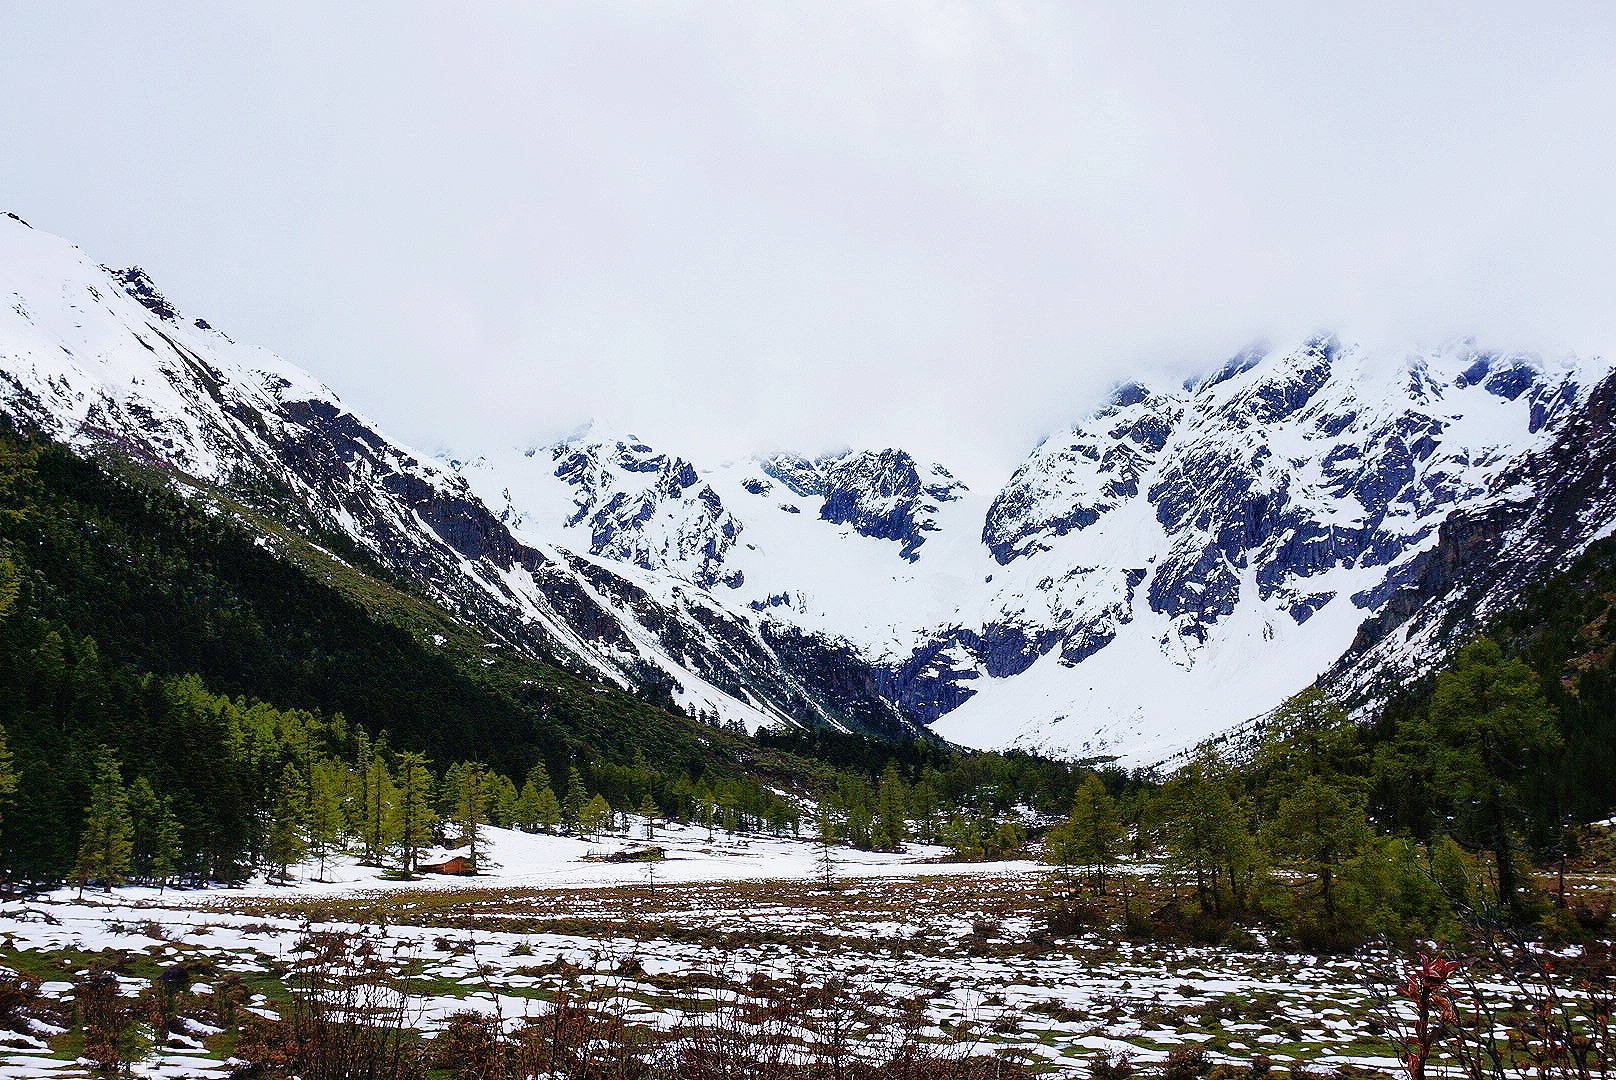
<point>1544,511</point>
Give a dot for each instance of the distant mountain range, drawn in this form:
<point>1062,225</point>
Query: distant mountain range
<point>1172,565</point>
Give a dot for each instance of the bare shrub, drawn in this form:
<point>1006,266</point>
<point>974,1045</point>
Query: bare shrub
<point>345,1021</point>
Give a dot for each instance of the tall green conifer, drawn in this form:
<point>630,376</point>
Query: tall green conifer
<point>107,842</point>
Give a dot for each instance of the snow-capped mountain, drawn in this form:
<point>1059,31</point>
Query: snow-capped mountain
<point>1174,564</point>
<point>104,362</point>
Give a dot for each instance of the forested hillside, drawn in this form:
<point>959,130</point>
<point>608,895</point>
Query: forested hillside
<point>180,668</point>
<point>134,621</point>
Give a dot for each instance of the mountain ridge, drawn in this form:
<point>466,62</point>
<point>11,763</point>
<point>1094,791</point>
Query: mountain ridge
<point>1172,565</point>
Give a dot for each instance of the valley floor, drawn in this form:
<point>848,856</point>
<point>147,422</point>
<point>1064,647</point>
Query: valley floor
<point>721,922</point>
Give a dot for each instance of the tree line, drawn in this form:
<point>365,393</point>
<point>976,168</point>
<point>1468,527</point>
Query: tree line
<point>1345,831</point>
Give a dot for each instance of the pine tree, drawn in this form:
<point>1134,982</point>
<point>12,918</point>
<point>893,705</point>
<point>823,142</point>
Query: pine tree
<point>106,844</point>
<point>289,823</point>
<point>572,804</point>
<point>413,817</point>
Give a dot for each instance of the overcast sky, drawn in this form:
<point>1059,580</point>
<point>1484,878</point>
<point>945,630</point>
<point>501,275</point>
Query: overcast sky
<point>736,227</point>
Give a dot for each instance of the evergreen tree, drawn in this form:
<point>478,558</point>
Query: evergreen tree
<point>289,823</point>
<point>572,804</point>
<point>547,809</point>
<point>595,817</point>
<point>471,806</point>
<point>412,812</point>
<point>107,841</point>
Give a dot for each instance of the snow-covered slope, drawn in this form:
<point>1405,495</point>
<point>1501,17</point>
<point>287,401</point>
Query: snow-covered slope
<point>1174,564</point>
<point>105,363</point>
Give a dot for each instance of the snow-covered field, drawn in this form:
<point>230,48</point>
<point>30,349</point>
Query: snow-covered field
<point>725,920</point>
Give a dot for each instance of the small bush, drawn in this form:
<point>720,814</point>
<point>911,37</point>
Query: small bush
<point>1186,1062</point>
<point>1109,1066</point>
<point>1072,918</point>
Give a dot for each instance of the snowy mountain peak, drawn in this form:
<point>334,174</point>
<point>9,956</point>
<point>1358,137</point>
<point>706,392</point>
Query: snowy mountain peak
<point>1174,563</point>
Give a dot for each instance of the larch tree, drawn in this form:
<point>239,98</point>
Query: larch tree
<point>1489,724</point>
<point>106,845</point>
<point>891,807</point>
<point>289,822</point>
<point>8,773</point>
<point>377,802</point>
<point>1096,834</point>
<point>650,812</point>
<point>154,850</point>
<point>1316,794</point>
<point>412,813</point>
<point>328,785</point>
<point>547,809</point>
<point>572,804</point>
<point>471,806</point>
<point>825,839</point>
<point>595,817</point>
